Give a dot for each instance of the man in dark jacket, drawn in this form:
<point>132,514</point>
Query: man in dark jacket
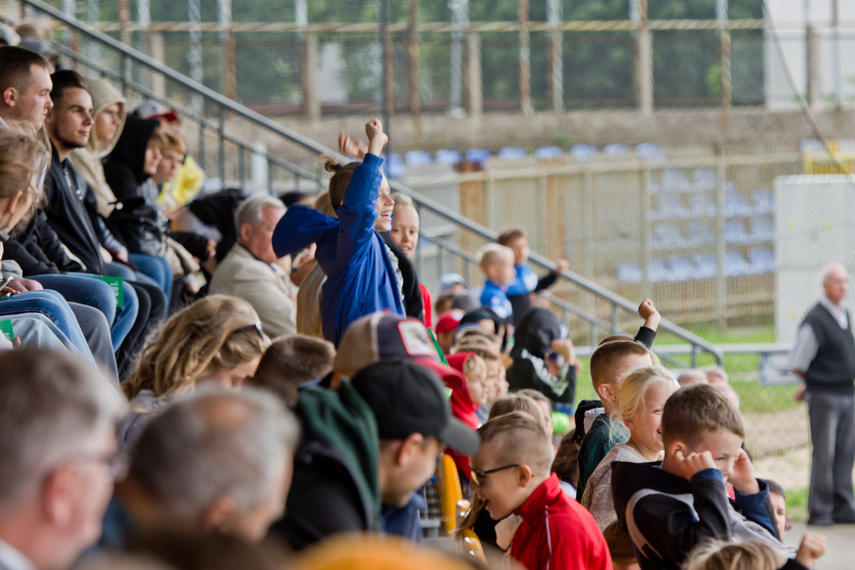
<point>369,445</point>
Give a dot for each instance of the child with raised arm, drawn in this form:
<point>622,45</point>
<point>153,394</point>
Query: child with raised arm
<point>669,510</point>
<point>362,272</point>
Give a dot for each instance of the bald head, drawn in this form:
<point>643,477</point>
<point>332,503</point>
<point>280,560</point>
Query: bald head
<point>835,283</point>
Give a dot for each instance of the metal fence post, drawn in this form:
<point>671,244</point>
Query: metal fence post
<point>222,134</point>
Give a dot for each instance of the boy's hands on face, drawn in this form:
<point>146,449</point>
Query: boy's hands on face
<point>742,478</point>
<point>811,549</point>
<point>377,139</point>
<point>647,311</point>
<point>694,462</point>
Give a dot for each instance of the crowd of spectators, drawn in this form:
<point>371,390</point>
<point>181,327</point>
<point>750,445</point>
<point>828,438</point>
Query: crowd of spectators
<point>214,380</point>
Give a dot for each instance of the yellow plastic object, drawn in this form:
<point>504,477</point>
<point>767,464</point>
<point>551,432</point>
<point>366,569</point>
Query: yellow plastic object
<point>472,546</point>
<point>834,158</point>
<point>449,493</point>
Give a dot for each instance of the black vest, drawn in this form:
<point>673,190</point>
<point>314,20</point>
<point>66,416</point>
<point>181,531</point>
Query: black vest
<point>833,367</point>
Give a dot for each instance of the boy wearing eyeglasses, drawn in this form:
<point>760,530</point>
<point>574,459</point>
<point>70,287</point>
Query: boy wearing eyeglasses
<point>511,474</point>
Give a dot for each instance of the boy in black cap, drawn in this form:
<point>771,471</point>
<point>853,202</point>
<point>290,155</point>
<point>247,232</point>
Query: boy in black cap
<point>367,445</point>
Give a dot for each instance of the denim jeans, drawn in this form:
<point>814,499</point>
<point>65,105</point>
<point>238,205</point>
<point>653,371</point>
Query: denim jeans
<point>155,267</point>
<point>51,305</point>
<point>78,288</point>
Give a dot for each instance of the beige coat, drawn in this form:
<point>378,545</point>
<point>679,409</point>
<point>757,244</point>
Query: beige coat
<point>267,288</point>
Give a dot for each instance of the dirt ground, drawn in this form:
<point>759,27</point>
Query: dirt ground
<point>780,445</point>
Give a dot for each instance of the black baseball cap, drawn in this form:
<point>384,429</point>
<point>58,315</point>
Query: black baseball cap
<point>408,398</point>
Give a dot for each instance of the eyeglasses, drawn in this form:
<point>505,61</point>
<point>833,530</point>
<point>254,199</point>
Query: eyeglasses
<point>478,475</point>
<point>255,326</point>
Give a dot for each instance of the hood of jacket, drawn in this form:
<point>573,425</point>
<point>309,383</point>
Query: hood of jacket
<point>535,333</point>
<point>103,95</point>
<point>130,148</point>
<point>343,419</point>
<point>629,478</point>
<point>461,402</point>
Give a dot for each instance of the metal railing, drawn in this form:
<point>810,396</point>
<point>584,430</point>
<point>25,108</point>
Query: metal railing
<point>265,127</point>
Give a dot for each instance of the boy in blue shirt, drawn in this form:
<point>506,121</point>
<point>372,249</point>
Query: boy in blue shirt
<point>497,263</point>
<point>362,272</point>
<point>525,281</point>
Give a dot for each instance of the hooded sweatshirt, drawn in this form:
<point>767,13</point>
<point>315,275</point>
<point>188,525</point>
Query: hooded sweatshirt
<point>667,516</point>
<point>87,161</point>
<point>462,406</point>
<point>138,221</point>
<point>532,342</point>
<point>335,486</point>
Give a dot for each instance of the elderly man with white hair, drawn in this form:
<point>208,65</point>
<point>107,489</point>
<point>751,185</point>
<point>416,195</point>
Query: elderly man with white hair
<point>824,356</point>
<point>59,457</point>
<point>252,271</point>
<point>217,460</point>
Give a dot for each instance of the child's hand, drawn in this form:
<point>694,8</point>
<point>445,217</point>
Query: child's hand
<point>562,265</point>
<point>350,146</point>
<point>564,347</point>
<point>811,549</point>
<point>694,463</point>
<point>742,478</point>
<point>647,311</point>
<point>377,139</point>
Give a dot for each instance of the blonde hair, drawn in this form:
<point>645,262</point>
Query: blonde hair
<point>516,403</point>
<point>475,365</point>
<point>21,159</point>
<point>714,554</point>
<point>171,141</point>
<point>402,199</point>
<point>493,253</point>
<point>635,386</point>
<point>200,339</point>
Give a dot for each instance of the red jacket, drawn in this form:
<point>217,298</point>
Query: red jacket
<point>557,533</point>
<point>428,303</point>
<point>462,407</point>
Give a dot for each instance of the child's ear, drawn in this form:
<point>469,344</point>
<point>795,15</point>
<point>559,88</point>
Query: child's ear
<point>606,393</point>
<point>524,475</point>
<point>628,422</point>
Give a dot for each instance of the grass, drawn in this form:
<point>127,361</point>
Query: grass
<point>743,370</point>
<point>797,504</point>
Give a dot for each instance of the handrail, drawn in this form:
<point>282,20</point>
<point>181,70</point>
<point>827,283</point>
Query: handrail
<point>227,104</point>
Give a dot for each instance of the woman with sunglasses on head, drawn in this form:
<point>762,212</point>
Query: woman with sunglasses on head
<point>217,340</point>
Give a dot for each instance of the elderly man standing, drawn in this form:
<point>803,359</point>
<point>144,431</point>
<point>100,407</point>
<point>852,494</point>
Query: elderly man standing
<point>251,269</point>
<point>824,356</point>
<point>58,444</point>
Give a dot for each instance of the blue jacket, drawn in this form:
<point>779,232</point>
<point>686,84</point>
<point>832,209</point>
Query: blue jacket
<point>494,296</point>
<point>360,276</point>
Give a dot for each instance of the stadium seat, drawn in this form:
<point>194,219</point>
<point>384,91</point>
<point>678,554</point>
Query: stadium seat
<point>735,264</point>
<point>615,149</point>
<point>512,153</point>
<point>581,152</point>
<point>762,229</point>
<point>417,158</point>
<point>762,260</point>
<point>700,234</point>
<point>665,236</point>
<point>680,269</point>
<point>394,166</point>
<point>812,145</point>
<point>736,205</point>
<point>543,152</point>
<point>650,152</point>
<point>657,271</point>
<point>705,266</point>
<point>764,202</point>
<point>448,156</point>
<point>478,155</point>
<point>701,205</point>
<point>703,179</point>
<point>670,207</point>
<point>629,273</point>
<point>449,492</point>
<point>734,232</point>
<point>674,180</point>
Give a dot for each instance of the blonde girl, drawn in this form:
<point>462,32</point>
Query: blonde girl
<point>642,397</point>
<point>216,340</point>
